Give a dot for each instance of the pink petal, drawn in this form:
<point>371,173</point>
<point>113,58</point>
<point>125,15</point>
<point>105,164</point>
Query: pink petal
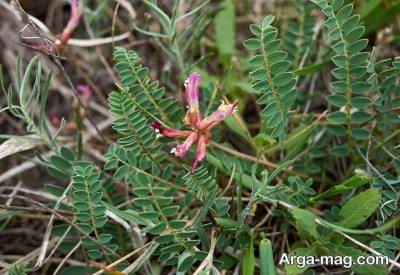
<point>223,111</point>
<point>55,120</point>
<point>192,89</point>
<point>201,152</point>
<point>86,92</point>
<point>181,149</point>
<point>168,132</point>
<point>193,115</point>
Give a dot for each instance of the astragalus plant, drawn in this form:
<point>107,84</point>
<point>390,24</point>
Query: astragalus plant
<point>213,156</point>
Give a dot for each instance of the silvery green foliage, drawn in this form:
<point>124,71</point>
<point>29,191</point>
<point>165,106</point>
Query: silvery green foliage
<point>201,183</point>
<point>271,76</point>
<point>296,191</point>
<point>386,244</point>
<point>385,80</point>
<point>298,38</point>
<point>154,208</point>
<point>140,90</point>
<point>351,62</point>
<point>18,269</point>
<point>89,212</point>
<point>31,103</point>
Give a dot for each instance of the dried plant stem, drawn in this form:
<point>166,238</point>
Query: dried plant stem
<point>66,220</point>
<point>127,256</point>
<point>207,263</point>
<point>67,257</point>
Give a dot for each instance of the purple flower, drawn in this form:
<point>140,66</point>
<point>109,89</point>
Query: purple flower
<point>193,115</point>
<point>85,92</point>
<point>201,128</point>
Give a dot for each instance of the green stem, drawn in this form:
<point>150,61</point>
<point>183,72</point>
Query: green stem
<point>380,229</point>
<point>241,177</point>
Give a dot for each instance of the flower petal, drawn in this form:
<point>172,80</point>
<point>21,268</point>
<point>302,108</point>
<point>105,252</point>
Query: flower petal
<point>181,149</point>
<point>192,89</point>
<point>168,132</point>
<point>223,111</point>
<point>201,152</point>
<point>193,115</point>
<point>86,92</point>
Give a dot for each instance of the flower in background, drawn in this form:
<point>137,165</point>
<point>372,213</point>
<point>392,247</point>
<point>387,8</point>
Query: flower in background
<point>73,22</point>
<point>55,120</point>
<point>200,127</point>
<point>85,92</point>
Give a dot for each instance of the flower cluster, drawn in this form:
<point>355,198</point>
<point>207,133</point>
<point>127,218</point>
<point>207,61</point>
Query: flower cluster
<point>200,128</point>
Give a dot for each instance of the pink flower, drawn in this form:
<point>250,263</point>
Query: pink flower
<point>181,149</point>
<point>200,128</point>
<point>201,151</point>
<point>193,115</point>
<point>55,120</point>
<point>85,92</point>
<point>224,110</point>
<point>169,132</point>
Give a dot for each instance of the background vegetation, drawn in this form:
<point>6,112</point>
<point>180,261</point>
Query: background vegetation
<point>307,165</point>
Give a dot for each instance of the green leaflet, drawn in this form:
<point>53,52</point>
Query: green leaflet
<point>270,76</point>
<point>384,79</point>
<point>134,128</point>
<point>31,103</point>
<point>201,183</point>
<point>299,34</point>
<point>359,208</point>
<point>154,208</point>
<point>88,210</point>
<point>147,94</point>
<point>351,63</point>
<point>18,269</point>
<point>347,185</point>
<point>305,222</point>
